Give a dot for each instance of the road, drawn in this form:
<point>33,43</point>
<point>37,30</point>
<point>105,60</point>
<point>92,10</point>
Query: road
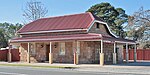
<point>7,70</point>
<point>138,68</point>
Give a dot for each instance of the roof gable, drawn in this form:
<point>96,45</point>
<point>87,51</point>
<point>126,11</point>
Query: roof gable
<point>106,25</point>
<point>67,22</point>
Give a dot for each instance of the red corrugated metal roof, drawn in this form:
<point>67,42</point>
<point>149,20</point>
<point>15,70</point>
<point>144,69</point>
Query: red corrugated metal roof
<point>89,36</point>
<point>113,39</point>
<point>67,22</point>
<point>75,21</point>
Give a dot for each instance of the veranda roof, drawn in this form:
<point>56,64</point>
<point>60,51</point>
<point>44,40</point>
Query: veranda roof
<point>71,37</point>
<point>88,36</point>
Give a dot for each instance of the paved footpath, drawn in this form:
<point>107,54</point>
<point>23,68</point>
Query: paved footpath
<point>118,69</point>
<point>126,68</point>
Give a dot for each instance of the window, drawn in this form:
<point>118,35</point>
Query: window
<point>78,48</point>
<point>33,49</point>
<point>62,48</point>
<point>97,25</point>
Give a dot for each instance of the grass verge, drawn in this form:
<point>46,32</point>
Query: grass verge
<point>38,66</point>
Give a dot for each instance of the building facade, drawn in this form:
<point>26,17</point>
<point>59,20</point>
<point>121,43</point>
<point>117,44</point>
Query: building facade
<point>77,39</point>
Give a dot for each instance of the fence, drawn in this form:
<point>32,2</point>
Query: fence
<point>142,54</point>
<point>15,55</point>
<point>3,55</point>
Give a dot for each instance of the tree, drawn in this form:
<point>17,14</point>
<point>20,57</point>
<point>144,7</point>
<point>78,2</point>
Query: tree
<point>115,17</point>
<point>13,29</point>
<point>3,42</point>
<point>34,10</point>
<point>8,31</point>
<point>139,27</point>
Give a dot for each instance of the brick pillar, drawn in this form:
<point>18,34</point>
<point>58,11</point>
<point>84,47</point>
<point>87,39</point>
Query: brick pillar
<point>28,53</point>
<point>9,54</point>
<point>114,54</point>
<point>101,59</point>
<point>9,57</point>
<point>127,54</point>
<point>101,54</point>
<point>50,54</point>
<point>114,58</point>
<point>135,54</point>
<point>77,59</point>
<point>76,56</point>
<point>51,58</point>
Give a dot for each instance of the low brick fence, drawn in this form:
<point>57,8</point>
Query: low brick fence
<point>3,55</point>
<point>142,54</point>
<point>15,55</point>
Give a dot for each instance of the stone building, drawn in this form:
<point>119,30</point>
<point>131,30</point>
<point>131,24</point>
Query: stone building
<point>77,39</point>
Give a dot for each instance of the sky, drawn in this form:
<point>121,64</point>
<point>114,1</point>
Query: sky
<point>11,10</point>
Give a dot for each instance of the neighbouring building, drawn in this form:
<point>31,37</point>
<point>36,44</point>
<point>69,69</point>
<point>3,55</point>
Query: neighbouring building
<point>77,39</point>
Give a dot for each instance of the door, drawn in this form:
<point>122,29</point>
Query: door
<point>97,49</point>
<point>47,52</point>
<point>117,54</point>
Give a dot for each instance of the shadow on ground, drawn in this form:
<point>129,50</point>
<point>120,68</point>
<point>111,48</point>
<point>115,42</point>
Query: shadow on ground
<point>139,63</point>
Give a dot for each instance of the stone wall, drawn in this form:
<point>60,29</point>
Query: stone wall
<point>40,53</point>
<point>119,53</point>
<point>101,30</point>
<point>108,49</point>
<point>89,52</point>
<point>67,58</point>
<point>37,52</point>
<point>23,52</point>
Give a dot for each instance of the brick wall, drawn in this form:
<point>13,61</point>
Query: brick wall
<point>15,55</point>
<point>142,54</point>
<point>3,55</point>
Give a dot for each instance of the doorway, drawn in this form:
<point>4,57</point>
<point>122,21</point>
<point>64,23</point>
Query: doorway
<point>47,52</point>
<point>97,49</point>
